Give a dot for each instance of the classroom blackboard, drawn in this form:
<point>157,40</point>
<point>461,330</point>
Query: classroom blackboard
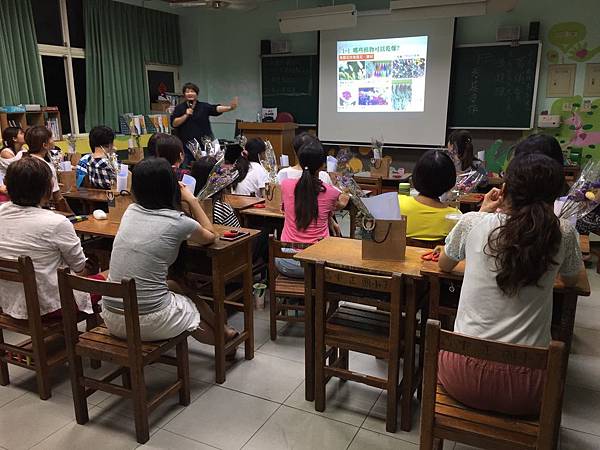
<point>494,86</point>
<point>290,83</point>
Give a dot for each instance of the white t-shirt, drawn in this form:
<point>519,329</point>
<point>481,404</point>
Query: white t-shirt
<point>483,310</point>
<point>55,186</point>
<point>50,241</point>
<point>293,174</point>
<point>255,180</point>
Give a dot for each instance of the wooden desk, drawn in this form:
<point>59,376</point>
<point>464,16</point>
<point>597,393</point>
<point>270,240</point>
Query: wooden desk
<point>90,198</point>
<point>388,184</point>
<point>470,202</point>
<point>346,254</point>
<point>241,202</point>
<point>226,261</point>
<point>565,298</point>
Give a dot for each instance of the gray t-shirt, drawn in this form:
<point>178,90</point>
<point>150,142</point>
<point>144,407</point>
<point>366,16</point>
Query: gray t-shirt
<point>146,245</point>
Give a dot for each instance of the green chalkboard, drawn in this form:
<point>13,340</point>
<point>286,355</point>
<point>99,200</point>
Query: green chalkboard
<point>290,83</point>
<point>494,86</point>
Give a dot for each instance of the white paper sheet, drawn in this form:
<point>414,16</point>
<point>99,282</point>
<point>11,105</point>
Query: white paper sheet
<point>384,206</point>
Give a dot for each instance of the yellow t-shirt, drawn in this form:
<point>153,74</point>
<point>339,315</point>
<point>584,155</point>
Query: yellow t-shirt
<point>425,222</point>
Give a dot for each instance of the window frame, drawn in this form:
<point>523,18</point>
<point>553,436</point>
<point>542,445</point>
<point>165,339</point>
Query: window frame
<point>67,53</point>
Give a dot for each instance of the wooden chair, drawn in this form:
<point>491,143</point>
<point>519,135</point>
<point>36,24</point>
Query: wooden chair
<point>44,350</point>
<point>282,289</point>
<point>375,185</point>
<point>442,417</point>
<point>131,354</point>
<point>352,328</point>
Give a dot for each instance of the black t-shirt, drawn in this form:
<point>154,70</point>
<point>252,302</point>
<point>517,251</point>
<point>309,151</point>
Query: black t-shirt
<point>197,126</point>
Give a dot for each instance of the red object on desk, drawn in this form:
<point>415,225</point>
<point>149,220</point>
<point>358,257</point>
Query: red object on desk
<point>431,256</point>
<point>260,205</point>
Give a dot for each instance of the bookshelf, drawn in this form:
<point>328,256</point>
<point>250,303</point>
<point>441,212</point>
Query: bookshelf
<point>47,116</point>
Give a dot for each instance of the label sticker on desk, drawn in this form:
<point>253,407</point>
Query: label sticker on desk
<point>111,199</point>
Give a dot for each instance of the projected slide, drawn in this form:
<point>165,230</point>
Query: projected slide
<point>381,75</point>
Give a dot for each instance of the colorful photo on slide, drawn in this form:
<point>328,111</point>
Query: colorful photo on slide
<point>408,68</point>
<point>378,69</point>
<point>373,96</point>
<point>348,95</point>
<point>401,94</point>
<point>352,70</point>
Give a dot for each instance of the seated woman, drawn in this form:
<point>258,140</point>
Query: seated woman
<point>253,177</point>
<point>170,147</point>
<point>46,237</point>
<point>40,142</point>
<point>433,175</point>
<point>307,206</point>
<point>223,213</point>
<point>147,243</point>
<point>13,139</point>
<point>295,172</point>
<point>460,147</point>
<point>511,261</point>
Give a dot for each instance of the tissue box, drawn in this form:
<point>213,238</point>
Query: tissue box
<point>387,242</point>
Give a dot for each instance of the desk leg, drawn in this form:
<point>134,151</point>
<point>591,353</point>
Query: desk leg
<point>309,333</point>
<point>218,285</point>
<point>566,325</point>
<point>248,306</point>
<point>408,366</point>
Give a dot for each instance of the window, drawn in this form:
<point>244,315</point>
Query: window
<point>61,42</point>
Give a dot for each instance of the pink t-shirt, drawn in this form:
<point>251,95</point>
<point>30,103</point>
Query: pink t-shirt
<point>318,229</point>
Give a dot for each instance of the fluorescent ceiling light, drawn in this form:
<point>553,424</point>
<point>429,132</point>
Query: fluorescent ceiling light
<point>313,19</point>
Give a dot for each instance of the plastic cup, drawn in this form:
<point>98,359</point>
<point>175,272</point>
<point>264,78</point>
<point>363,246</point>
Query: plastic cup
<point>284,161</point>
<point>121,182</point>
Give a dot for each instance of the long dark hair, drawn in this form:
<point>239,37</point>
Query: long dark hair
<point>201,170</point>
<point>155,186</point>
<point>524,246</point>
<point>254,147</point>
<point>169,147</point>
<point>463,145</point>
<point>306,206</point>
<point>9,137</point>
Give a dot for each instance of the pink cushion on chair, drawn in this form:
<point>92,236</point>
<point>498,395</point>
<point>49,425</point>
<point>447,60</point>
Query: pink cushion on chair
<point>284,117</point>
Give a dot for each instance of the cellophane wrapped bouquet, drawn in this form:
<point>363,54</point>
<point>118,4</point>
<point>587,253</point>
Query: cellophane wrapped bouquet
<point>584,195</point>
<point>195,149</point>
<point>346,183</point>
<point>377,147</point>
<point>467,182</point>
<point>343,157</point>
<point>268,160</point>
<point>211,149</point>
<point>219,178</point>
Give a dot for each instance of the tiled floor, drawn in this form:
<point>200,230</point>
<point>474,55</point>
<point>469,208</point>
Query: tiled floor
<point>261,405</point>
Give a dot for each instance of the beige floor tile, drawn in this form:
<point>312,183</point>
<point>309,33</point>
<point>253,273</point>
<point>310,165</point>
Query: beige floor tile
<point>286,347</point>
<point>376,421</point>
<point>585,342</point>
<point>584,371</point>
<point>290,428</point>
<point>17,417</point>
<point>346,402</point>
<point>369,365</point>
<point>587,316</point>
<point>9,393</point>
<point>163,439</point>
<point>581,410</point>
<point>574,440</point>
<point>266,376</point>
<point>104,430</point>
<point>366,439</point>
<point>222,418</point>
<point>155,380</point>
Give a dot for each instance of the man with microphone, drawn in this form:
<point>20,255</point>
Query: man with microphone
<point>190,118</point>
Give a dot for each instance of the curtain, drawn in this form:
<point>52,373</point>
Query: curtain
<point>20,68</point>
<point>120,39</point>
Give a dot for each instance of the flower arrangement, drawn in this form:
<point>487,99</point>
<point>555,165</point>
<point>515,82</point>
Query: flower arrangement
<point>219,178</point>
<point>377,146</point>
<point>268,160</point>
<point>346,183</point>
<point>195,149</point>
<point>343,161</point>
<point>584,195</point>
<point>467,182</point>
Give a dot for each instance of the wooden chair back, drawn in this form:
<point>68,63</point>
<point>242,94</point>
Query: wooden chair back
<point>21,271</point>
<point>67,283</point>
<point>553,360</point>
<point>412,242</point>
<point>375,185</point>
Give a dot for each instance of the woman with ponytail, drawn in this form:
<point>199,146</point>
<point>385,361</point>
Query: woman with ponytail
<point>307,205</point>
<point>511,258</point>
<point>460,147</point>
